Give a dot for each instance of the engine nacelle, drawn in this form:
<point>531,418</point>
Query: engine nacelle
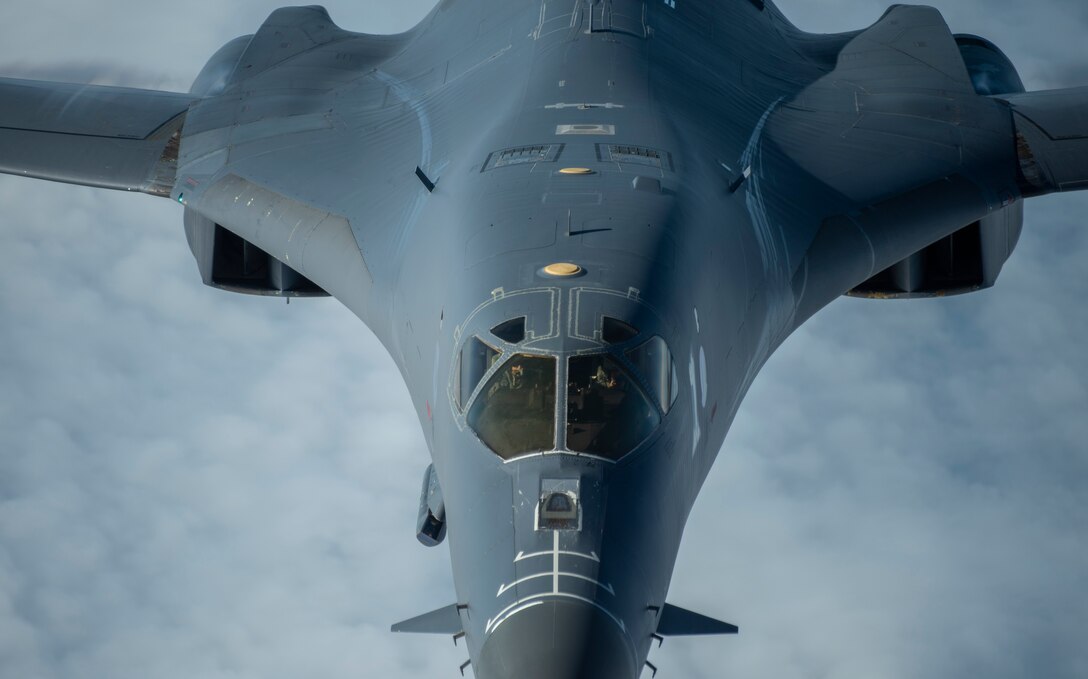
<point>967,261</point>
<point>431,524</point>
<point>227,261</point>
<point>971,258</point>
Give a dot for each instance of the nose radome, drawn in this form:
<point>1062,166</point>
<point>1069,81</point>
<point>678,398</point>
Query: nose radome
<point>557,639</point>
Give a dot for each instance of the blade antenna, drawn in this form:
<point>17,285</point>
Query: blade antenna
<point>427,183</point>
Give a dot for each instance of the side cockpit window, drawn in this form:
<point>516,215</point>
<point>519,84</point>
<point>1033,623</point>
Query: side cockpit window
<point>653,360</point>
<point>514,413</point>
<point>608,414</point>
<point>512,331</point>
<point>615,331</point>
<point>475,360</point>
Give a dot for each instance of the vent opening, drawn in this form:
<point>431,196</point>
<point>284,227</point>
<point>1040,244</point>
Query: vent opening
<point>523,155</point>
<point>636,155</point>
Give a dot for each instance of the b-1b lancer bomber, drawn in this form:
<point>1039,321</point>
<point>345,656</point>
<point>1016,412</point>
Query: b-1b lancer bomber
<point>580,228</point>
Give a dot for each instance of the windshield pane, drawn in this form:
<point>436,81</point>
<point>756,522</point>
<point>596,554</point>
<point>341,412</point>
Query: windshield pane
<point>515,412</point>
<point>607,413</point>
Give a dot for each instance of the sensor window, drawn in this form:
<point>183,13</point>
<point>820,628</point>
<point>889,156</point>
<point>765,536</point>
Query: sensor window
<point>560,506</point>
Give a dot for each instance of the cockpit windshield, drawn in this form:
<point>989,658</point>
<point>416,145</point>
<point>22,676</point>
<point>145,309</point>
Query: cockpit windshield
<point>514,414</point>
<point>614,399</point>
<point>608,414</point>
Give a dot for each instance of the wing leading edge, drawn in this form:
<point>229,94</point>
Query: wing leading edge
<point>106,137</point>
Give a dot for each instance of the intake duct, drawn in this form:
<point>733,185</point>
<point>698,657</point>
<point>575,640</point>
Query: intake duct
<point>231,263</point>
<point>967,261</point>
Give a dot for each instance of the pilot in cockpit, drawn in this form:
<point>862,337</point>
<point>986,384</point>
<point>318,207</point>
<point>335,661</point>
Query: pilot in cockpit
<point>606,380</point>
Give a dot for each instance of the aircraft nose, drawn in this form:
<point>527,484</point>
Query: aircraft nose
<point>557,639</point>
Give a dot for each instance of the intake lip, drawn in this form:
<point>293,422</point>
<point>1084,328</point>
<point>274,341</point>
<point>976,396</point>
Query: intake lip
<point>557,639</point>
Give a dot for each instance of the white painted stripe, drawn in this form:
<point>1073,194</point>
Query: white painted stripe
<point>536,576</point>
<point>523,604</point>
<point>555,563</point>
<point>522,556</point>
<point>488,629</point>
<point>562,105</point>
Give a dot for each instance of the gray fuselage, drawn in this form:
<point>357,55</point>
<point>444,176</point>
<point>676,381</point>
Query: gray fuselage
<point>664,246</point>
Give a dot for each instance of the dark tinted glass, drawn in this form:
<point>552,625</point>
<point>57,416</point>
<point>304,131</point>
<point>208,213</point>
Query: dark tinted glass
<point>654,362</point>
<point>512,331</point>
<point>475,360</point>
<point>607,413</point>
<point>614,331</point>
<point>515,412</point>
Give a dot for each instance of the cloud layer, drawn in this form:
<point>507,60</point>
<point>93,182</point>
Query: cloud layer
<point>194,483</point>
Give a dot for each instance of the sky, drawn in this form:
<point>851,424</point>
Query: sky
<point>201,484</point>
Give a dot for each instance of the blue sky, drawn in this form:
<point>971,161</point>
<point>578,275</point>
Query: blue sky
<point>194,483</point>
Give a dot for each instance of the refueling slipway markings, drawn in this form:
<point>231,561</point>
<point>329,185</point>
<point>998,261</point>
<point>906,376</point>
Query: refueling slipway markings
<point>555,573</point>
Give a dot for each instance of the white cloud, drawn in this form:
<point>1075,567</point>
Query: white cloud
<point>193,482</point>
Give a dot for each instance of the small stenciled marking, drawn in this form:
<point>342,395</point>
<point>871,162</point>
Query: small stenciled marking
<point>671,3</point>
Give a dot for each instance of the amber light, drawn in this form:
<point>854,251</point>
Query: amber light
<point>563,269</point>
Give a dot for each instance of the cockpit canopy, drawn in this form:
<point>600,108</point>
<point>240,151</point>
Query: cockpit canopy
<point>613,400</point>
